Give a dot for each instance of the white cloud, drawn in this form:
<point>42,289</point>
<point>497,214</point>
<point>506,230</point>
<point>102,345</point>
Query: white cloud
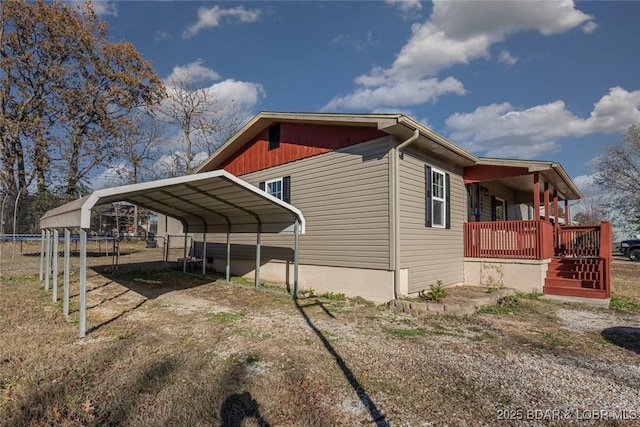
<point>212,17</point>
<point>111,176</point>
<point>160,35</point>
<point>501,130</point>
<point>459,32</point>
<point>585,183</point>
<point>506,58</point>
<point>396,94</point>
<point>406,5</point>
<point>193,72</point>
<point>589,27</point>
<point>347,40</point>
<point>104,8</point>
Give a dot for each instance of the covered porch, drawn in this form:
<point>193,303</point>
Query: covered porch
<point>524,234</point>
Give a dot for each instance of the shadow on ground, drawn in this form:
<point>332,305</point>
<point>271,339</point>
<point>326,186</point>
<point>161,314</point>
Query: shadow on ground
<point>624,336</point>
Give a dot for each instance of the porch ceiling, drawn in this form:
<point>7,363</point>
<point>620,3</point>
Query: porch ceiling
<point>518,175</point>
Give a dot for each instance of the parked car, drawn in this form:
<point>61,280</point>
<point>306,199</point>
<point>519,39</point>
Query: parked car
<point>630,248</point>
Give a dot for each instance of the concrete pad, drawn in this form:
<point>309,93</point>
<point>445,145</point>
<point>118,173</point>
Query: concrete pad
<point>593,302</point>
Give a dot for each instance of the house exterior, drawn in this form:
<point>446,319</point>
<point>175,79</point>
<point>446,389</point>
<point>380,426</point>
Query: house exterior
<point>391,207</point>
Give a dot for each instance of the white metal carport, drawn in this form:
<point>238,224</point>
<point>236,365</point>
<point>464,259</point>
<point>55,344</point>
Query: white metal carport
<point>211,202</point>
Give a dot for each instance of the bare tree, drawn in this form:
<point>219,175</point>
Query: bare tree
<point>190,108</point>
<point>591,211</point>
<point>618,174</point>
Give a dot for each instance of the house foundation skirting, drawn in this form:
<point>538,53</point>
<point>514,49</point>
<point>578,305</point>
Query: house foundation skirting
<point>372,285</point>
<point>523,275</point>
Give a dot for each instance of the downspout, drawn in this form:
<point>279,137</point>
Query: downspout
<point>396,210</point>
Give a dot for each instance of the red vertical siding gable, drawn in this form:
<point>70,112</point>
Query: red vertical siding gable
<point>297,141</point>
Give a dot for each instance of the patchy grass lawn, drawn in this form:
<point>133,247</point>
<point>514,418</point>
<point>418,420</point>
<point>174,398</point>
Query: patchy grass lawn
<point>167,348</point>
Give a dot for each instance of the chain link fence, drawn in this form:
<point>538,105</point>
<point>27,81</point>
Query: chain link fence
<point>20,254</point>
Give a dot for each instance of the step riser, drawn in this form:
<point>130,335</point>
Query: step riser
<point>575,292</point>
<point>573,284</point>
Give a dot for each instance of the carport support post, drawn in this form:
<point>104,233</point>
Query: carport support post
<point>83,283</point>
<point>228,267</point>
<point>184,257</point>
<point>296,247</point>
<point>258,256</point>
<point>42,255</point>
<point>47,262</point>
<point>54,294</point>
<point>65,296</point>
<point>204,253</point>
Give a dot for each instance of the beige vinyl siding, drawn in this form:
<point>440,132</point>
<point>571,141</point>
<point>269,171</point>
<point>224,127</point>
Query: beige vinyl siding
<point>344,197</point>
<point>514,211</point>
<point>430,253</point>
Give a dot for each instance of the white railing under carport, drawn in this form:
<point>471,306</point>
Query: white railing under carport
<point>217,202</point>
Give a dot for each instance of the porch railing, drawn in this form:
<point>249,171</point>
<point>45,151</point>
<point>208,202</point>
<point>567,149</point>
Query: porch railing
<point>509,239</point>
<point>578,241</point>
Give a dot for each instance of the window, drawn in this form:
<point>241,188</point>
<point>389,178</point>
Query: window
<point>437,194</point>
<point>274,188</point>
<point>438,198</point>
<point>274,137</point>
<point>279,188</point>
<point>498,209</point>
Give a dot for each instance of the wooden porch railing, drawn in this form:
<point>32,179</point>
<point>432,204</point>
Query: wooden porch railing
<point>578,241</point>
<point>509,239</point>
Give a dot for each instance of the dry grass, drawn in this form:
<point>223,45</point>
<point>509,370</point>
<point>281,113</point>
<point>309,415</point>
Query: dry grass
<point>172,349</point>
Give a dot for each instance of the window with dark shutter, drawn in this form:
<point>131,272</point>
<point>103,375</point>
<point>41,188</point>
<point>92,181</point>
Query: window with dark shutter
<point>286,189</point>
<point>274,137</point>
<point>279,188</point>
<point>447,181</point>
<point>427,191</point>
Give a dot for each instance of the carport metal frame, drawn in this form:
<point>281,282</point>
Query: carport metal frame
<point>240,208</point>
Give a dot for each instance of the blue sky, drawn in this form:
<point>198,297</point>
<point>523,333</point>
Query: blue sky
<point>541,80</point>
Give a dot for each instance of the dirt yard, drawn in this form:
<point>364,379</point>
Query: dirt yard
<point>165,348</point>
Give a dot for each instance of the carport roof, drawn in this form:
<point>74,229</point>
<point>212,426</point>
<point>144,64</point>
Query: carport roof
<point>214,201</point>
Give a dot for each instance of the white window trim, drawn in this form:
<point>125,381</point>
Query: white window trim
<point>442,199</point>
<point>271,181</point>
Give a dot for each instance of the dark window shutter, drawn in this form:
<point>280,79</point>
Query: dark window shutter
<point>427,194</point>
<point>493,208</point>
<point>447,192</point>
<point>506,211</point>
<point>286,189</point>
<point>274,137</point>
<point>261,185</point>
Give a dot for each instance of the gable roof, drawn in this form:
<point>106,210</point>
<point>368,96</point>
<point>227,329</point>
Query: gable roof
<point>401,127</point>
<point>398,125</point>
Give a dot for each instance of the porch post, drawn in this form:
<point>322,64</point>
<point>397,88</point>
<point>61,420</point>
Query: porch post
<point>555,208</point>
<point>546,201</point>
<point>536,195</point>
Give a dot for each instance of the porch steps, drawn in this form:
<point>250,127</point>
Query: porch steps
<point>576,277</point>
